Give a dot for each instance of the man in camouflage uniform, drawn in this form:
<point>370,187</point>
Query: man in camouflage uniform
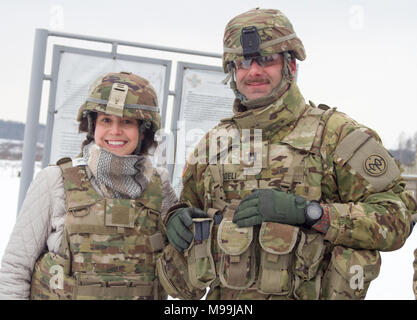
<point>301,201</point>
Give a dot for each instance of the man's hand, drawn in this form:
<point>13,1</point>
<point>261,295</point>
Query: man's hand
<point>270,205</point>
<point>178,232</point>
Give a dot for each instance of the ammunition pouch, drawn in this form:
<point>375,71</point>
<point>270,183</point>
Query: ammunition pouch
<point>308,258</point>
<point>237,264</point>
<point>201,268</point>
<point>277,242</point>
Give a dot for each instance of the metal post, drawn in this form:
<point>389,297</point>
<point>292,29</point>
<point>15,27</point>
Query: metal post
<point>51,113</point>
<point>32,117</point>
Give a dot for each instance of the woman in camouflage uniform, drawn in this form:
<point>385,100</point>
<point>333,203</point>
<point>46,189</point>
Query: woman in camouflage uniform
<point>90,227</point>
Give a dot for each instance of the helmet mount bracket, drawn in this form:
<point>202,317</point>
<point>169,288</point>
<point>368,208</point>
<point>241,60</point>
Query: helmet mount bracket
<point>250,42</point>
<point>117,99</point>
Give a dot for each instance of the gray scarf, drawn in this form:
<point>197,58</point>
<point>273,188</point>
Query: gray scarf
<point>118,176</point>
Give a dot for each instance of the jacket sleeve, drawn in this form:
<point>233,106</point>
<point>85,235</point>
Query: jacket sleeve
<point>363,191</point>
<point>172,267</point>
<point>30,234</point>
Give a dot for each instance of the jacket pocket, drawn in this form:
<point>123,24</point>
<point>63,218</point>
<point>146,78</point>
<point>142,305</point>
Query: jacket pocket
<point>237,265</point>
<point>201,268</point>
<point>349,273</point>
<point>277,242</point>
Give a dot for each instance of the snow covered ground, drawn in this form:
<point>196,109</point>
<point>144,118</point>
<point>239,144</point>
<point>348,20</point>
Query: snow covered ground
<point>394,281</point>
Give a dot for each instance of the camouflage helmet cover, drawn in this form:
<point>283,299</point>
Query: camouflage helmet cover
<point>141,100</point>
<point>275,32</point>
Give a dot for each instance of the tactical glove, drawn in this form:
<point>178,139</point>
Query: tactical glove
<point>270,205</point>
<point>178,227</point>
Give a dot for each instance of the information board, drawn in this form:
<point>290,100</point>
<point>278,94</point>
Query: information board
<point>204,100</point>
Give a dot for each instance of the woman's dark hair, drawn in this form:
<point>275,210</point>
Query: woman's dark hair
<point>148,136</point>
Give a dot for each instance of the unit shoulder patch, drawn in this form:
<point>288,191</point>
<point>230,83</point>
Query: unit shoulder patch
<point>368,158</point>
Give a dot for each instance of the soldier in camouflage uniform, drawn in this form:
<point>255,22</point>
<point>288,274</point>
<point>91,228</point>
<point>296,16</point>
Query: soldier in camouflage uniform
<point>96,230</point>
<point>299,198</point>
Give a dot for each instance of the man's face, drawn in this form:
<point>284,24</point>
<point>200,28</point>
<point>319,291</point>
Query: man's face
<point>257,81</point>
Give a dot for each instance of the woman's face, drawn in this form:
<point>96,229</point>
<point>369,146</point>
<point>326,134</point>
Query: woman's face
<point>118,135</point>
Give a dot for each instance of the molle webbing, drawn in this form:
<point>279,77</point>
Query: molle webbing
<point>219,195</point>
<point>295,173</point>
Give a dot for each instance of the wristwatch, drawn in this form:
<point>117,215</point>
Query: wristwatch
<point>313,212</point>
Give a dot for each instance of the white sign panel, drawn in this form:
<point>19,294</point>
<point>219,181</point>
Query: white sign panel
<point>76,73</point>
<point>204,101</point>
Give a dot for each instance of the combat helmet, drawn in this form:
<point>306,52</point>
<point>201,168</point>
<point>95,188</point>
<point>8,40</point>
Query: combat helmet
<point>121,94</point>
<point>267,31</point>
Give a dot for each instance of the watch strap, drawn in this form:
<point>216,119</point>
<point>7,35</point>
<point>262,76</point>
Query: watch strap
<point>323,224</point>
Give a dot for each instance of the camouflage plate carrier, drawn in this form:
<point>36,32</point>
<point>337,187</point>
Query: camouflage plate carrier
<point>109,248</point>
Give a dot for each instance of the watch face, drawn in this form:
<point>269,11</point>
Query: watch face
<point>314,211</point>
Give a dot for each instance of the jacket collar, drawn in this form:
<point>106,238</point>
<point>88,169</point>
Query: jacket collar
<point>277,116</point>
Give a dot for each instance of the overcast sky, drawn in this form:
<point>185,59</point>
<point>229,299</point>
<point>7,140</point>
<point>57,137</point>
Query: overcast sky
<point>361,55</point>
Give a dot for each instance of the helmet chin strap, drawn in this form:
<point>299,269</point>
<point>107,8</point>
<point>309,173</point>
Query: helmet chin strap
<point>287,79</point>
<point>90,133</point>
<point>143,127</point>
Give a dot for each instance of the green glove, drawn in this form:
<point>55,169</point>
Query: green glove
<point>270,205</point>
<point>178,227</point>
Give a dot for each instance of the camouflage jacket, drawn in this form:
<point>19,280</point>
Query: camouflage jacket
<point>321,155</point>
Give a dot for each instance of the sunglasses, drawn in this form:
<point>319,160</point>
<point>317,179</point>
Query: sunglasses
<point>263,61</point>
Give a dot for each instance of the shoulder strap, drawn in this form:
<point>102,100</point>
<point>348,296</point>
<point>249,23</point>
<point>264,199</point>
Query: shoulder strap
<point>318,139</point>
<point>79,193</point>
<point>64,163</point>
<point>151,197</point>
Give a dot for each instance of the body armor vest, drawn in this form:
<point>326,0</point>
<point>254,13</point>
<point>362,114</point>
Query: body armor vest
<point>109,247</point>
<point>274,261</point>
